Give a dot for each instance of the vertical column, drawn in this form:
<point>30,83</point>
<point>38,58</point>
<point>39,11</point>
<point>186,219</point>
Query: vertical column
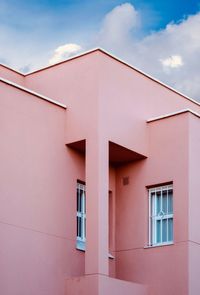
<point>96,256</point>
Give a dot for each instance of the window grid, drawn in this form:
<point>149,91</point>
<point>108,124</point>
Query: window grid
<point>81,215</point>
<point>160,215</point>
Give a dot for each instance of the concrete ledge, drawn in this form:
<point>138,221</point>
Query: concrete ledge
<point>102,285</point>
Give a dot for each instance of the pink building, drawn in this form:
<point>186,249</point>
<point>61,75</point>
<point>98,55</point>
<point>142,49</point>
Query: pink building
<point>99,182</point>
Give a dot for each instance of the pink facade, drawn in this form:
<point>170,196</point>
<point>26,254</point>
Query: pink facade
<point>134,144</point>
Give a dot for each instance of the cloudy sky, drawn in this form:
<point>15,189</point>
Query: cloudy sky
<point>159,37</point>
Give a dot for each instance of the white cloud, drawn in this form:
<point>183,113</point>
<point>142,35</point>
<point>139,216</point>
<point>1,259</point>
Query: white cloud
<point>173,61</point>
<point>29,33</point>
<point>63,52</point>
<point>117,26</point>
<point>170,55</point>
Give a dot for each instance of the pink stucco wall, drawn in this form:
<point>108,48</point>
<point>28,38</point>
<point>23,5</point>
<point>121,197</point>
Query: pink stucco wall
<point>194,185</point>
<point>38,197</point>
<point>106,101</point>
<point>164,269</point>
<point>37,188</point>
<point>100,284</point>
<point>12,75</point>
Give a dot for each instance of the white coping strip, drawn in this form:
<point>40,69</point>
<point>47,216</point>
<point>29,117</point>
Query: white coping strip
<point>33,92</point>
<point>116,58</point>
<point>12,69</point>
<point>152,78</point>
<point>68,59</point>
<point>122,61</point>
<point>173,114</point>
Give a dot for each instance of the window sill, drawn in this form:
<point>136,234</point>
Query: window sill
<point>80,245</point>
<point>159,245</point>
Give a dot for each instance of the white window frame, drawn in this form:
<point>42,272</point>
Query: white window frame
<point>154,216</point>
<point>81,213</point>
<point>81,216</point>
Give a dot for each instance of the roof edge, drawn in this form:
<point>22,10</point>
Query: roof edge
<point>32,92</point>
<point>124,63</point>
<point>149,76</point>
<point>117,59</point>
<point>66,60</point>
<point>12,69</point>
<point>173,114</point>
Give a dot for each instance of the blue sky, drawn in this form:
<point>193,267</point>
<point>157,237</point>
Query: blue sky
<point>90,13</point>
<point>159,37</point>
<point>75,17</point>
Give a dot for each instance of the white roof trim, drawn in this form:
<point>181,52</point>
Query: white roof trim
<point>124,62</point>
<point>67,59</point>
<point>60,62</point>
<point>12,69</point>
<point>116,58</point>
<point>173,114</point>
<point>32,92</point>
<point>152,78</point>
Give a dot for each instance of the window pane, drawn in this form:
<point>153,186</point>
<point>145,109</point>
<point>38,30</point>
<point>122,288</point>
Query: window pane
<point>152,204</point>
<point>158,202</point>
<point>170,202</point>
<point>77,231</point>
<point>164,230</point>
<point>81,200</point>
<point>78,201</point>
<point>158,231</point>
<point>164,201</point>
<point>78,226</point>
<point>153,224</point>
<point>170,229</point>
<point>84,228</point>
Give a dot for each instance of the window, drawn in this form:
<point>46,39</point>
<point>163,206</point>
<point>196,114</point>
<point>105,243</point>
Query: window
<point>81,216</point>
<point>160,215</point>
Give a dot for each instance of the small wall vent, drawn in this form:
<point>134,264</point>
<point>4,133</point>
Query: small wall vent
<point>125,180</point>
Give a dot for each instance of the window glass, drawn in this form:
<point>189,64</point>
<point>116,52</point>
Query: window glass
<point>170,229</point>
<point>161,215</point>
<point>158,230</point>
<point>81,216</point>
<point>170,203</point>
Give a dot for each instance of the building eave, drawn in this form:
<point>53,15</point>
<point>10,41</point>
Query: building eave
<point>115,58</point>
<point>43,97</point>
<point>173,114</point>
<point>12,70</point>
